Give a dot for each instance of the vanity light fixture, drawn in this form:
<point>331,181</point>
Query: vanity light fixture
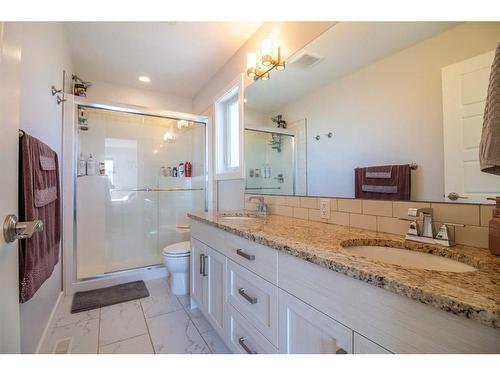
<point>168,136</point>
<point>260,68</point>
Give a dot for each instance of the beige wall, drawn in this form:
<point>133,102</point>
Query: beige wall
<point>389,112</point>
<point>384,216</point>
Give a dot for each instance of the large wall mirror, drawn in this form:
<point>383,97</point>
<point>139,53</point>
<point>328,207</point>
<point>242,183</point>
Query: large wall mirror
<point>382,110</point>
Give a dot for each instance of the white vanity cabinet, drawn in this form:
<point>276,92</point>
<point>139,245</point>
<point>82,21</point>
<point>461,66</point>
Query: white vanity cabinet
<point>305,330</point>
<point>208,283</point>
<point>261,300</point>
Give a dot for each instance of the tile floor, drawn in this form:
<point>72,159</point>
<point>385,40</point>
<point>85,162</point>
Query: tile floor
<point>161,323</point>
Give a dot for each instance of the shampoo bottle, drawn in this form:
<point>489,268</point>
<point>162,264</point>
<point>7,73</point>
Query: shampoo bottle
<point>82,166</point>
<point>494,229</point>
<point>91,166</point>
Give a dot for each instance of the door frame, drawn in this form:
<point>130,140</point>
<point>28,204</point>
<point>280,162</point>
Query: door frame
<point>69,162</point>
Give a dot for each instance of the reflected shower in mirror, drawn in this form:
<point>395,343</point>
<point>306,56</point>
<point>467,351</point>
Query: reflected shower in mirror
<point>365,100</point>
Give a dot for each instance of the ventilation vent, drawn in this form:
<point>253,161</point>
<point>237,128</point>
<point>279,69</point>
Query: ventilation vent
<point>305,60</point>
<point>63,346</point>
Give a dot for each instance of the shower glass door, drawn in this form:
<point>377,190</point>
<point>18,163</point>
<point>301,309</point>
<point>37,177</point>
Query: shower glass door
<point>135,202</point>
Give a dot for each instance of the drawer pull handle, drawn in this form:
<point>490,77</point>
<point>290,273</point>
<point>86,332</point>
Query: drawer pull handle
<point>205,257</point>
<point>241,341</point>
<point>201,264</point>
<point>340,351</point>
<point>241,253</point>
<point>252,300</point>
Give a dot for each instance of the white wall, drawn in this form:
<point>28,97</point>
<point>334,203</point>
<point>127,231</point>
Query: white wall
<point>45,55</point>
<point>389,112</point>
<point>109,92</point>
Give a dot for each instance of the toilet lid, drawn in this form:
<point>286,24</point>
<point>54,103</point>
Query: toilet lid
<point>178,249</point>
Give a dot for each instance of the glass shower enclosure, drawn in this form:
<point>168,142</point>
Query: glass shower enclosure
<point>138,176</point>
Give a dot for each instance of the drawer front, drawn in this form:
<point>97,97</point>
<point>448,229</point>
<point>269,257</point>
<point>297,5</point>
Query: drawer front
<point>244,338</point>
<point>255,298</point>
<point>364,346</point>
<point>259,259</point>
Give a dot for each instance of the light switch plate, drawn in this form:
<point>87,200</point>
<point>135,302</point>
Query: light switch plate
<point>324,208</point>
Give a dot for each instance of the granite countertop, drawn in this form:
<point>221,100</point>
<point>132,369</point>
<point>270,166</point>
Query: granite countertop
<point>475,295</point>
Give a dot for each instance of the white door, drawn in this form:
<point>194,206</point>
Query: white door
<point>216,270</point>
<point>305,330</point>
<point>10,61</point>
<point>465,86</point>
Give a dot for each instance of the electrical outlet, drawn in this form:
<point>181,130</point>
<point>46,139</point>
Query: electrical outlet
<point>324,208</point>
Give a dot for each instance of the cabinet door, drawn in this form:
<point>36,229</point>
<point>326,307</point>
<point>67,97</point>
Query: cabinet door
<point>198,265</point>
<point>364,346</point>
<point>305,330</point>
<point>215,279</point>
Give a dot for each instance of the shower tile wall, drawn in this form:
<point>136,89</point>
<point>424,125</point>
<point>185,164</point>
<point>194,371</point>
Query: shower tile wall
<point>119,228</point>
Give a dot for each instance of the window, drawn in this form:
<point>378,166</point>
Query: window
<point>228,118</point>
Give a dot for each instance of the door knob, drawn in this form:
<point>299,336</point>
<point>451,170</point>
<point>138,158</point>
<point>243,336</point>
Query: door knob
<point>20,230</point>
<point>453,196</point>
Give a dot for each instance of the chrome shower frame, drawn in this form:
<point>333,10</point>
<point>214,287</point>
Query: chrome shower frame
<point>71,283</point>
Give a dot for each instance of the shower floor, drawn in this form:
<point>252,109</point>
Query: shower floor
<point>159,324</point>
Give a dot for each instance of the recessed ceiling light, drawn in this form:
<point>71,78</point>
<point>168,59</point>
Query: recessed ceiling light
<point>144,79</point>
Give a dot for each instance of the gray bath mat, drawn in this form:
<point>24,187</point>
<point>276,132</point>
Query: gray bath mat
<point>93,299</point>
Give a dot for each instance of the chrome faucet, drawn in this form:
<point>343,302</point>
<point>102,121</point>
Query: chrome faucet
<point>427,233</point>
<point>261,206</point>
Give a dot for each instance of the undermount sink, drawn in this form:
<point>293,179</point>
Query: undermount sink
<point>409,258</point>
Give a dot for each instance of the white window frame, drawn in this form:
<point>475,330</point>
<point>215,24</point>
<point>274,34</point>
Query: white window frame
<point>222,170</point>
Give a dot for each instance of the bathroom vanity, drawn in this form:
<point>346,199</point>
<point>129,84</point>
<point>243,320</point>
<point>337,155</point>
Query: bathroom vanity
<point>276,284</point>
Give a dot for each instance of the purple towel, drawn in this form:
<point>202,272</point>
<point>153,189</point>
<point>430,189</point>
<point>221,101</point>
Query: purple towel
<point>38,200</point>
<point>391,182</point>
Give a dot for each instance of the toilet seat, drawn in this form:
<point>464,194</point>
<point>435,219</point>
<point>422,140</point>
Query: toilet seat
<point>180,249</point>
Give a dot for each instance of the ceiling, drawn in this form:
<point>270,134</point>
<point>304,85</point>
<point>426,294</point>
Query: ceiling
<point>344,48</point>
<point>179,57</point>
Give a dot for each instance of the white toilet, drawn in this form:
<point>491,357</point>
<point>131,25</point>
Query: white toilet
<point>176,260</point>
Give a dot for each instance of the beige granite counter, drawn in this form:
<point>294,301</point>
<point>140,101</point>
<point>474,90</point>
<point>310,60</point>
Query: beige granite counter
<point>475,295</point>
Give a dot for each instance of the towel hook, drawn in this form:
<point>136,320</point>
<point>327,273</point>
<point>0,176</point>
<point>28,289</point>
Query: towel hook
<point>60,100</point>
<point>54,91</point>
<point>318,137</point>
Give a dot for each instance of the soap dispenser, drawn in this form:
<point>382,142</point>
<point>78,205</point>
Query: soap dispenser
<point>494,229</point>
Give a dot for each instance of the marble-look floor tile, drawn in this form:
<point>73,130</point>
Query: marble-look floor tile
<point>158,287</point>
<point>215,343</point>
<point>84,337</point>
<point>136,345</point>
<point>185,301</point>
<point>64,317</point>
<point>199,320</point>
<point>175,333</point>
<point>121,321</point>
<point>157,305</point>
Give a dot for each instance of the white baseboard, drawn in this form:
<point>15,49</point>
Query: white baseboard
<point>49,323</point>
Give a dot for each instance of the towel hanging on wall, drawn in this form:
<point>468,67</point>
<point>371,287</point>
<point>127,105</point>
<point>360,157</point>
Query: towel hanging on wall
<point>489,147</point>
<point>39,198</point>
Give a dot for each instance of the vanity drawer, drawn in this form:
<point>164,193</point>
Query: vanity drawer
<point>244,338</point>
<point>259,259</point>
<point>255,298</point>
